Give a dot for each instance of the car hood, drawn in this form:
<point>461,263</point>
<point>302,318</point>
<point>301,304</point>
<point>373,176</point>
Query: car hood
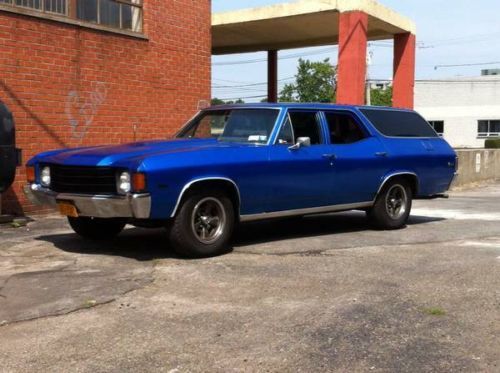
<point>130,155</point>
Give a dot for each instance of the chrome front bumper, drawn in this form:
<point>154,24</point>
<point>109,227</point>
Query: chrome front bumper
<point>136,206</point>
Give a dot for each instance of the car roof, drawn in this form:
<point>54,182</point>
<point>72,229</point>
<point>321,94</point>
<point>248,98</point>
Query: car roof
<point>291,105</point>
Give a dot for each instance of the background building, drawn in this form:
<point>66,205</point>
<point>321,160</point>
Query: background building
<point>90,72</point>
<point>466,111</point>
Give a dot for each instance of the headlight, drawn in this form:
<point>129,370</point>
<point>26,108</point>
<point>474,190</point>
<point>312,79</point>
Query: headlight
<point>124,183</point>
<point>45,177</point>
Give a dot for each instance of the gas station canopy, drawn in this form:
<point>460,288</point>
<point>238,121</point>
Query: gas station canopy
<point>300,24</point>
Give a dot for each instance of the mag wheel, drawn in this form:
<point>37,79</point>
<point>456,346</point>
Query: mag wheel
<point>393,205</point>
<point>204,225</point>
<point>97,229</point>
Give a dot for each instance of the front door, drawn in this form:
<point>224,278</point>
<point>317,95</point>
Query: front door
<point>300,178</point>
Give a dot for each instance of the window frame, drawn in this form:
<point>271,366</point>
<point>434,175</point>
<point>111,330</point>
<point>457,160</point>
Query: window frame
<point>69,17</point>
<point>489,133</point>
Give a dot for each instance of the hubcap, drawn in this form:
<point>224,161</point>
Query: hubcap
<point>208,220</point>
<point>396,202</point>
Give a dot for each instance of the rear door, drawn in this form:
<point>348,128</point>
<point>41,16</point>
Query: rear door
<point>360,160</point>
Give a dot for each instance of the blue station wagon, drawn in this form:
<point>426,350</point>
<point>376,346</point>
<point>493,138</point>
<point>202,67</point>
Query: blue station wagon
<point>241,163</point>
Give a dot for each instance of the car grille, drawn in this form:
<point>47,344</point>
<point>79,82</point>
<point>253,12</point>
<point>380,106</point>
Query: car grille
<point>83,180</point>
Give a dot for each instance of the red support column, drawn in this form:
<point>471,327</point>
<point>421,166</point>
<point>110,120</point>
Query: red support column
<point>272,76</point>
<point>404,71</point>
<point>351,79</point>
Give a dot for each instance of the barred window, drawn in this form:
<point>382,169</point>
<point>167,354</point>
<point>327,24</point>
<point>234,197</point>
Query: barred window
<point>119,14</point>
<point>48,6</point>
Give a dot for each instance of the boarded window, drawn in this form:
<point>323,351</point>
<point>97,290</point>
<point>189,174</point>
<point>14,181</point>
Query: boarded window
<point>398,123</point>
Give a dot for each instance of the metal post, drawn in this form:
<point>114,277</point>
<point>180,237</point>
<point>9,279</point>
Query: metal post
<point>272,76</point>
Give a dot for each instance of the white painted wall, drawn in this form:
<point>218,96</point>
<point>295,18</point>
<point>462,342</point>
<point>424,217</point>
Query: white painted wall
<point>460,103</point>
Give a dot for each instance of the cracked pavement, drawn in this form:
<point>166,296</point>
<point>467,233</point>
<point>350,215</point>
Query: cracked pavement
<point>322,293</point>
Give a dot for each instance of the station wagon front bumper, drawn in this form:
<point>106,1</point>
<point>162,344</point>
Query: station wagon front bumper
<point>137,206</point>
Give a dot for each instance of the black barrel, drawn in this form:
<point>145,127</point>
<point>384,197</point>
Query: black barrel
<point>8,152</point>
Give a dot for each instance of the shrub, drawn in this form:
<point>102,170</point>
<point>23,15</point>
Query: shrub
<point>492,144</point>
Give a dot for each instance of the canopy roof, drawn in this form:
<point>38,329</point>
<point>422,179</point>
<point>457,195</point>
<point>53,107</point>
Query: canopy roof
<point>304,23</point>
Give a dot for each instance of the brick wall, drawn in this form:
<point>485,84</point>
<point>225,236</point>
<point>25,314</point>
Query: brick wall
<point>71,86</point>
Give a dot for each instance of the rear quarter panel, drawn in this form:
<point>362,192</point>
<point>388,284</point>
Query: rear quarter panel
<point>431,159</point>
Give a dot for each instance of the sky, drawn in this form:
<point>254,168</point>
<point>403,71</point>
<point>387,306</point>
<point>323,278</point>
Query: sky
<point>449,32</point>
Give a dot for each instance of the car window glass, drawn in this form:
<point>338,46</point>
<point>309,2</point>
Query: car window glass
<point>343,128</point>
<point>235,125</point>
<point>397,123</point>
<point>285,136</point>
<point>306,124</point>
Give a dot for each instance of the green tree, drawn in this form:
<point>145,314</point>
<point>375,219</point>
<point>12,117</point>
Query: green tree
<point>381,97</point>
<point>314,82</point>
<point>217,101</point>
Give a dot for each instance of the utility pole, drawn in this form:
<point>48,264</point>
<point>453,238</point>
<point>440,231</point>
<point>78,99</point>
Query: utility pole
<point>368,95</point>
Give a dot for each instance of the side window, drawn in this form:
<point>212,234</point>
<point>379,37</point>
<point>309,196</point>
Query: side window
<point>306,124</point>
<point>343,128</point>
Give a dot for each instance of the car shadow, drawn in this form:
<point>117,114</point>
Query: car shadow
<point>310,226</point>
<point>150,244</point>
<point>134,243</point>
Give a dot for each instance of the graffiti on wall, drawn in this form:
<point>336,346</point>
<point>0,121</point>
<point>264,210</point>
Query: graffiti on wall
<point>82,109</point>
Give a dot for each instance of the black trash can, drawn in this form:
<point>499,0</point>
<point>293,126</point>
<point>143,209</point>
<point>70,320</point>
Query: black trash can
<point>9,155</point>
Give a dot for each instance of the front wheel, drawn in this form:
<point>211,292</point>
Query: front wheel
<point>95,228</point>
<point>393,205</point>
<point>204,225</point>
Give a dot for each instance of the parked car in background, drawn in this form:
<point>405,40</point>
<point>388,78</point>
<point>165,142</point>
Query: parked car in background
<point>241,163</point>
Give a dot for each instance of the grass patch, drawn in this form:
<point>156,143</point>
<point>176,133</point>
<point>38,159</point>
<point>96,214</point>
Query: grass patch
<point>435,311</point>
<point>90,303</point>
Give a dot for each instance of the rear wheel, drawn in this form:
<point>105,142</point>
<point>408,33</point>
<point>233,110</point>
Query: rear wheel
<point>96,228</point>
<point>204,225</point>
<point>393,205</point>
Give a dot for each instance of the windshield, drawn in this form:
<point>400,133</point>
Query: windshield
<point>234,125</point>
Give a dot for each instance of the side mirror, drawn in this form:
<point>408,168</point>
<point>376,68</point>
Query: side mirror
<point>301,141</point>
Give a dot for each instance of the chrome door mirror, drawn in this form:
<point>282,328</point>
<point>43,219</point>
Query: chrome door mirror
<point>301,141</point>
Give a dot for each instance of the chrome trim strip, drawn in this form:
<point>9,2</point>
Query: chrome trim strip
<point>188,185</point>
<point>386,179</point>
<point>306,211</point>
<point>99,206</point>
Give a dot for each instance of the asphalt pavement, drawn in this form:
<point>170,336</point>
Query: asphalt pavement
<point>321,293</point>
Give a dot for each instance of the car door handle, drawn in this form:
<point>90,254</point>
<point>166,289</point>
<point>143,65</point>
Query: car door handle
<point>381,154</point>
<point>330,157</point>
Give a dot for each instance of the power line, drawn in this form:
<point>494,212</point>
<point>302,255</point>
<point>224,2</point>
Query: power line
<point>467,64</point>
<point>250,85</point>
<point>241,98</point>
<point>286,57</point>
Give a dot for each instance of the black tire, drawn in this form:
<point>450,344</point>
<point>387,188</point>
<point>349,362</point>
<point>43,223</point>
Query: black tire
<point>393,205</point>
<point>197,217</point>
<point>97,229</point>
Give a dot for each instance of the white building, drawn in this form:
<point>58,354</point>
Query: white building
<point>465,110</point>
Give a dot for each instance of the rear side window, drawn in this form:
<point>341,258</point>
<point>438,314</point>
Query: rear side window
<point>399,123</point>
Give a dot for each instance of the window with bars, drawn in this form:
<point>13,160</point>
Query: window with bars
<point>488,128</point>
<point>48,6</point>
<point>119,14</point>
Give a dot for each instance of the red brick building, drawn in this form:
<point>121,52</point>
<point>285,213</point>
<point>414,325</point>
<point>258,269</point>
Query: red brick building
<point>91,72</point>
